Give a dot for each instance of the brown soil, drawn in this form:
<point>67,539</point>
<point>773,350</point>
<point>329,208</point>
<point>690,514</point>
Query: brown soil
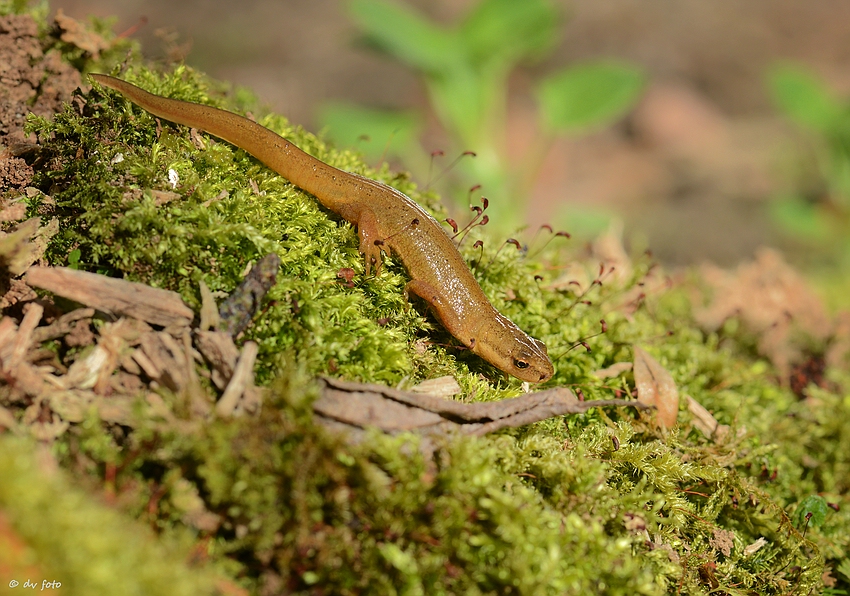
<point>31,80</point>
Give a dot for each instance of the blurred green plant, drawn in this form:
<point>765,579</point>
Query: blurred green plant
<point>819,212</point>
<point>465,67</point>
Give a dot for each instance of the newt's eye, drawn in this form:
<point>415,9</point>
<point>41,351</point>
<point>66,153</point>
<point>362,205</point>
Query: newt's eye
<point>520,363</point>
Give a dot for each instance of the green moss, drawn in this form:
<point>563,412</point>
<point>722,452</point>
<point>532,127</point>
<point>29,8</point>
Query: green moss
<point>87,547</point>
<point>380,518</point>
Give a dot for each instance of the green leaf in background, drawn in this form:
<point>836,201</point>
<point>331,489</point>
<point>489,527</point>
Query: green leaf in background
<point>589,95</point>
<point>506,30</point>
<point>799,217</point>
<point>464,105</point>
<point>803,98</point>
<point>376,133</point>
<point>405,35</point>
<point>814,505</point>
<point>465,66</point>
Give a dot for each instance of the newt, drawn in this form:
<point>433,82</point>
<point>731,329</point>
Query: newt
<point>386,219</point>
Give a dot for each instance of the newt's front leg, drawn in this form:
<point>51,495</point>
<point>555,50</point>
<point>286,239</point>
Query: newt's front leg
<point>371,241</point>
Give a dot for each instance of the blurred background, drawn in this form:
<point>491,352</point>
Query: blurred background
<point>707,129</point>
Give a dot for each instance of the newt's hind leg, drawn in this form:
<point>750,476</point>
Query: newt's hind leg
<point>447,315</point>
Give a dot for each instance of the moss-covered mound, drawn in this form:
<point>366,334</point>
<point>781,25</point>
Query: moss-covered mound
<point>750,499</point>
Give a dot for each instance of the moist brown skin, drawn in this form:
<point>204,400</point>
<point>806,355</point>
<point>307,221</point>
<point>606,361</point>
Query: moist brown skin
<point>386,220</point>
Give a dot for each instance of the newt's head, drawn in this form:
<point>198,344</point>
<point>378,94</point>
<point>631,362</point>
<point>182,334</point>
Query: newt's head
<point>509,348</point>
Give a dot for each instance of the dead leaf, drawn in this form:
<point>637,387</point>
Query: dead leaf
<point>612,371</point>
<point>656,387</point>
<point>78,34</point>
<point>827,579</point>
<point>708,575</point>
<point>773,301</point>
<point>754,547</point>
<point>704,421</point>
<point>440,387</point>
<point>348,406</point>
